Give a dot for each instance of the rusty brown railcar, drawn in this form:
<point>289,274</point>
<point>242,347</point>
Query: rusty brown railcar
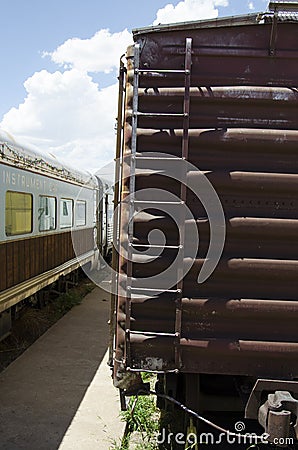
<point>214,100</point>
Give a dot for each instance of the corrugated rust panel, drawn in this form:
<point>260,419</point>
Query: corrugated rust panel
<point>241,53</point>
<point>221,107</point>
<point>274,150</point>
<point>221,356</point>
<point>242,137</point>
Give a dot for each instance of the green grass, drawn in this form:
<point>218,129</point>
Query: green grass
<point>142,422</point>
<point>65,302</point>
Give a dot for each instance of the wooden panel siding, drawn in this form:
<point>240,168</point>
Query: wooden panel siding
<point>25,258</point>
<point>28,263</point>
<point>3,267</point>
<point>9,264</point>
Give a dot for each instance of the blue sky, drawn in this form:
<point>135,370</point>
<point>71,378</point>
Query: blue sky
<point>52,61</point>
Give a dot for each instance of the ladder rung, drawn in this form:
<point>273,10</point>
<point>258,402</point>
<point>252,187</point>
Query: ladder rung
<point>166,158</point>
<point>157,202</point>
<point>142,71</point>
<point>141,114</point>
<point>149,246</point>
<point>152,333</point>
<point>140,289</point>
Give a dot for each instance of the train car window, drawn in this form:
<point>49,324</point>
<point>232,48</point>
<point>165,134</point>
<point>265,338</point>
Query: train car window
<point>18,213</point>
<point>66,207</point>
<point>47,213</point>
<point>80,213</point>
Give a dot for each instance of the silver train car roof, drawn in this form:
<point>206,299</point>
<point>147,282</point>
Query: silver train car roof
<point>30,158</point>
<point>284,12</point>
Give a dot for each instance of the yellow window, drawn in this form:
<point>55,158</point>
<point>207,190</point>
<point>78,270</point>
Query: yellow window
<point>18,213</point>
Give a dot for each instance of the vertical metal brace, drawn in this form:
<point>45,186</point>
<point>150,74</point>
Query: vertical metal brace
<point>131,201</point>
<point>276,7</point>
<point>183,192</point>
<point>116,218</point>
<point>273,34</point>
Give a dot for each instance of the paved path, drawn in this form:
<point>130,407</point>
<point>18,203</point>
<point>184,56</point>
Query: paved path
<point>59,393</point>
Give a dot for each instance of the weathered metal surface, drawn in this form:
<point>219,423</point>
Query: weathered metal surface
<point>263,385</point>
<point>276,415</point>
<point>220,107</point>
<point>241,53</point>
<point>283,6</point>
<point>242,135</point>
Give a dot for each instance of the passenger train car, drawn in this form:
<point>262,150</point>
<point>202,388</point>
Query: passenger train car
<point>50,223</point>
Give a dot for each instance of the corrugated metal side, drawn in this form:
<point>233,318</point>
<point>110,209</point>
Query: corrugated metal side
<point>243,133</point>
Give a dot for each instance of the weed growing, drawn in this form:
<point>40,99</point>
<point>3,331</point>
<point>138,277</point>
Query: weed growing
<point>142,422</point>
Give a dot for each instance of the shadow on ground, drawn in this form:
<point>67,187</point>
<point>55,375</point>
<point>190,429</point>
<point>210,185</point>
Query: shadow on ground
<point>42,390</point>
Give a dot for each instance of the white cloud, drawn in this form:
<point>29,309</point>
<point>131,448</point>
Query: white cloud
<point>189,10</point>
<point>251,6</point>
<point>65,112</point>
<point>100,53</point>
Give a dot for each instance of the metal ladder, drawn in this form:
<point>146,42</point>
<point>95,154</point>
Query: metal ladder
<point>178,291</point>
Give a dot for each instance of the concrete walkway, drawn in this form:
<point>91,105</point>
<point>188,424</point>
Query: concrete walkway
<point>59,393</point>
<point>96,424</point>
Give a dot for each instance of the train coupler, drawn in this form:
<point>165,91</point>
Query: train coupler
<point>278,415</point>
